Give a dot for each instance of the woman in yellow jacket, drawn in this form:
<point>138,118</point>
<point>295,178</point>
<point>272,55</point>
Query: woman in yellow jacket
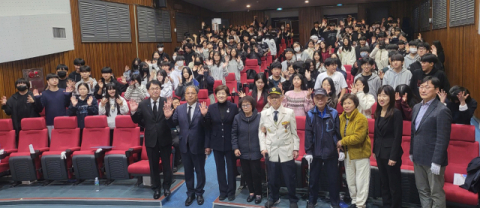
<point>356,143</point>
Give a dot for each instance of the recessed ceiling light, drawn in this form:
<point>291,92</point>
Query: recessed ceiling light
<point>248,5</point>
<point>279,9</point>
<point>306,1</point>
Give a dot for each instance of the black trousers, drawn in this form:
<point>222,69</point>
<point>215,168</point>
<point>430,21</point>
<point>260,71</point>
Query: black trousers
<point>332,172</point>
<point>226,181</point>
<point>194,162</point>
<point>154,153</point>
<point>288,169</point>
<point>252,173</point>
<point>390,178</point>
<point>176,145</point>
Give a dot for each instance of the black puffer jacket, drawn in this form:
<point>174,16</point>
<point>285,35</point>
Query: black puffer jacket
<point>245,135</point>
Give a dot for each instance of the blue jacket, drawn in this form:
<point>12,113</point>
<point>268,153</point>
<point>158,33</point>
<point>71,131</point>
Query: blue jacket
<point>322,133</point>
<point>194,132</point>
<point>220,130</point>
<point>245,135</point>
<point>82,110</point>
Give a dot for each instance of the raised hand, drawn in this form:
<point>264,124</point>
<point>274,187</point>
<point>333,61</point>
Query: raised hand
<point>241,94</point>
<point>281,87</point>
<point>30,99</point>
<point>124,80</point>
<point>308,75</point>
<point>35,92</point>
<point>353,89</point>
<point>434,50</point>
<point>134,106</point>
<point>127,68</point>
<point>201,71</point>
<point>405,97</point>
<point>4,100</point>
<point>119,101</point>
<point>167,109</point>
<point>381,74</point>
<point>203,108</point>
<point>74,101</point>
<point>180,80</point>
<point>462,97</point>
<point>397,96</point>
<point>442,95</point>
<point>69,89</point>
<point>309,92</point>
<point>90,100</point>
<point>100,84</point>
<point>103,102</point>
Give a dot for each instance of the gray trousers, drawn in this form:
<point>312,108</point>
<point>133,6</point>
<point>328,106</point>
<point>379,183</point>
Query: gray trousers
<point>430,186</point>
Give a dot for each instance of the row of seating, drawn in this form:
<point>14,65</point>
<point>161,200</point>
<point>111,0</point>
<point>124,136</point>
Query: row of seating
<point>67,156</point>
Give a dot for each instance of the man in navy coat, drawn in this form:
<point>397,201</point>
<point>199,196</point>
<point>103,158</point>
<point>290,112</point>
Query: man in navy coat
<point>190,117</point>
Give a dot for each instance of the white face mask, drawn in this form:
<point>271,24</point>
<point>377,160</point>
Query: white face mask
<point>297,49</point>
<point>413,50</point>
<point>179,63</point>
<point>174,57</point>
<point>283,27</point>
<point>160,50</point>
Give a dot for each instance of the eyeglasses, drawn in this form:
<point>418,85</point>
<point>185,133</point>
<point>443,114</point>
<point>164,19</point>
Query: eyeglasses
<point>155,89</point>
<point>246,106</point>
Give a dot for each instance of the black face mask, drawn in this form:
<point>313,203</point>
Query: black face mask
<point>62,74</point>
<point>21,88</point>
<point>197,63</point>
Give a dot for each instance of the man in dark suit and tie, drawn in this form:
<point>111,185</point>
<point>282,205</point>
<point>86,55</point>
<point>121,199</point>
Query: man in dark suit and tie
<point>191,119</point>
<point>431,125</point>
<point>158,138</point>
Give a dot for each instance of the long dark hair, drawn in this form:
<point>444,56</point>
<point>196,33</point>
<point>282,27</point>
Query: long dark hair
<point>411,98</point>
<point>136,77</point>
<point>189,71</point>
<point>136,67</point>
<point>109,86</point>
<point>142,72</point>
<point>314,61</point>
<point>213,58</point>
<point>303,85</point>
<point>164,75</point>
<point>387,89</point>
<point>366,88</point>
<point>349,46</point>
<point>265,88</point>
<point>333,91</point>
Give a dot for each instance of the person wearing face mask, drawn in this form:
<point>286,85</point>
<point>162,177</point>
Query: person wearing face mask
<point>412,56</point>
<point>62,72</point>
<point>299,55</point>
<point>177,71</point>
<point>362,42</point>
<point>219,119</point>
<point>163,54</point>
<point>20,105</point>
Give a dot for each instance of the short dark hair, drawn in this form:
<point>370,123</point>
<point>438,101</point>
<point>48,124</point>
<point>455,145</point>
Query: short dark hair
<point>453,92</point>
<point>83,84</point>
<point>430,58</point>
<point>175,98</point>
<point>367,60</point>
<point>85,69</point>
<point>392,47</point>
<point>412,43</point>
<point>154,82</point>
<point>364,81</point>
<point>289,50</point>
<point>330,61</point>
<point>435,81</point>
<point>51,75</point>
<point>424,45</point>
<point>224,88</point>
<point>62,66</point>
<point>107,70</point>
<point>362,38</point>
<point>22,81</point>
<point>160,45</point>
<point>352,97</point>
<point>249,99</point>
<point>397,57</point>
<point>276,64</point>
<point>79,62</point>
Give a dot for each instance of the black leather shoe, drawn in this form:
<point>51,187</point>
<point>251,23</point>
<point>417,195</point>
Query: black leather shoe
<point>189,200</point>
<point>250,198</point>
<point>166,192</point>
<point>221,197</point>
<point>200,200</point>
<point>174,169</point>
<point>231,198</point>
<point>258,199</point>
<point>156,195</point>
<point>293,205</point>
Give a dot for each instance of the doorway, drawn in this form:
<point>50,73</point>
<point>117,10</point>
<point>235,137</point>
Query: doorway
<point>292,21</point>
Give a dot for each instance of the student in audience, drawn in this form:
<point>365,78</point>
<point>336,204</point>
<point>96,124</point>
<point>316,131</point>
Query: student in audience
<point>366,100</point>
<point>397,74</point>
<point>246,146</point>
<point>322,126</point>
<point>357,66</point>
<point>85,72</point>
<point>412,56</point>
<point>145,73</point>
<point>317,62</point>
<point>310,49</point>
<point>20,105</point>
<point>217,69</point>
<point>107,77</point>
<point>387,146</point>
<point>424,49</point>
<point>337,77</point>
<point>380,54</point>
<point>329,86</point>
<point>235,64</point>
<point>219,120</point>
<point>78,62</point>
<point>177,70</point>
<point>437,49</point>
<point>129,71</point>
<point>205,81</point>
<point>167,87</point>
<point>279,139</point>
<point>428,69</point>
<point>311,72</point>
<point>259,91</point>
<point>289,58</point>
<point>362,43</point>
<point>62,72</point>
<point>374,81</point>
<point>355,140</point>
<point>54,100</point>
<point>461,105</point>
<point>111,105</point>
<point>276,77</point>
<point>401,48</point>
<point>405,100</point>
<point>161,51</point>
<point>83,105</point>
<point>187,80</point>
<point>431,127</point>
<point>135,90</point>
<point>298,98</point>
<point>347,53</point>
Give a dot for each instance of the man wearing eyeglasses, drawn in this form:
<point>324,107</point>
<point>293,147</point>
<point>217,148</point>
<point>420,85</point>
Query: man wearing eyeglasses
<point>158,138</point>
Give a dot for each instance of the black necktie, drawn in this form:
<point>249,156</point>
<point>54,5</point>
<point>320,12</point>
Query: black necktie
<point>155,110</point>
<point>189,113</point>
<point>275,117</point>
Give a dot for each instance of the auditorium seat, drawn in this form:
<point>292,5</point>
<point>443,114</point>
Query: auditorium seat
<point>142,167</point>
<point>86,162</point>
<point>26,166</point>
<point>216,84</point>
<point>339,108</point>
<point>348,69</point>
<point>301,135</point>
<point>203,96</point>
<point>65,138</point>
<point>7,143</point>
<point>269,58</point>
<point>125,148</point>
<point>371,130</point>
<point>374,108</point>
<point>250,64</point>
<point>406,138</point>
<point>231,83</point>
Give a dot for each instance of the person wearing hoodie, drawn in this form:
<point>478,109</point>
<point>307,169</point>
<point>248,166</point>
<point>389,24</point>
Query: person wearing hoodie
<point>83,105</point>
<point>85,72</point>
<point>412,57</point>
<point>218,69</point>
<point>186,80</point>
<point>299,55</point>
<point>397,74</point>
<point>246,146</point>
<point>380,54</point>
<point>289,59</point>
<point>276,77</point>
<point>347,53</point>
<point>107,77</point>
<point>428,64</point>
<point>374,81</point>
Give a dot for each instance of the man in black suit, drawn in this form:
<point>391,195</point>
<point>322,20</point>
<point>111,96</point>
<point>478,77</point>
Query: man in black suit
<point>431,126</point>
<point>158,138</point>
<point>190,117</point>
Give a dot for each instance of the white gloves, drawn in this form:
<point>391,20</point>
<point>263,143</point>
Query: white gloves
<point>98,150</point>
<point>2,151</point>
<point>63,155</point>
<point>309,159</point>
<point>435,169</point>
<point>341,156</point>
<point>411,157</point>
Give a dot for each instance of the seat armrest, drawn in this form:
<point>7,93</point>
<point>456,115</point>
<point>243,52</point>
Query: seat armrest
<point>7,153</point>
<point>131,151</point>
<point>70,151</point>
<point>38,152</point>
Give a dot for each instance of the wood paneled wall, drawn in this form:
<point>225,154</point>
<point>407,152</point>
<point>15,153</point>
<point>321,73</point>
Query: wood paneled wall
<point>97,55</point>
<point>306,17</point>
<point>243,18</point>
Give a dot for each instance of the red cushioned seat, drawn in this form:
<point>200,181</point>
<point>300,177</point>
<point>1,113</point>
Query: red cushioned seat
<point>301,135</point>
<point>371,130</point>
<point>22,166</point>
<point>88,164</point>
<point>203,96</point>
<point>406,163</point>
<point>65,137</point>
<point>462,132</point>
<point>7,143</point>
<point>126,137</point>
<point>142,167</point>
<point>339,108</point>
<point>407,128</point>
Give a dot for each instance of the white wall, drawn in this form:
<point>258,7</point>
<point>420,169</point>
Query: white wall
<point>27,28</point>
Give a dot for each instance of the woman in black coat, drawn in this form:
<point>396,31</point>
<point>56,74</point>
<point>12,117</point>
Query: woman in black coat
<point>219,118</point>
<point>247,146</point>
<point>387,146</point>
